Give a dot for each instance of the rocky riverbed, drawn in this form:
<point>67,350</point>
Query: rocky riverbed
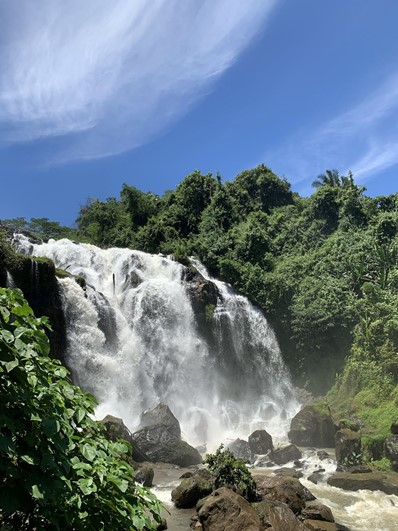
<point>296,487</point>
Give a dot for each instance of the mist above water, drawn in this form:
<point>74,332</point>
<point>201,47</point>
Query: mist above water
<point>133,341</point>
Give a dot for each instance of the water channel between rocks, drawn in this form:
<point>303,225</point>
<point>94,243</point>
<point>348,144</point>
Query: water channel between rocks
<point>362,510</point>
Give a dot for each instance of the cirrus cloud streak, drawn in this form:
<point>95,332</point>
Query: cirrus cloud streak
<point>99,78</point>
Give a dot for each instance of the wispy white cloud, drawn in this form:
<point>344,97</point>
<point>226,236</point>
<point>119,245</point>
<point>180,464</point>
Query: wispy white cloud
<point>363,139</point>
<point>107,76</point>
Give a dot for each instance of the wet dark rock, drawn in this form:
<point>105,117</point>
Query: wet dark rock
<point>322,455</point>
<point>319,525</point>
<point>278,516</point>
<point>225,510</point>
<point>162,526</point>
<point>315,510</point>
<point>283,489</point>
<point>348,448</point>
<point>204,295</point>
<point>316,476</point>
<point>190,491</point>
<point>312,426</point>
<point>186,475</point>
<point>351,424</point>
<point>116,429</point>
<point>260,442</point>
<point>289,472</point>
<point>298,464</point>
<point>241,450</point>
<point>263,461</point>
<point>144,475</point>
<point>38,282</point>
<point>284,454</point>
<point>161,415</point>
<point>161,445</point>
<point>385,481</point>
<point>391,448</point>
<point>359,469</point>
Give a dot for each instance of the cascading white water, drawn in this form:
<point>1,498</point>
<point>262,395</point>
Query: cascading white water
<point>133,341</point>
<point>10,283</point>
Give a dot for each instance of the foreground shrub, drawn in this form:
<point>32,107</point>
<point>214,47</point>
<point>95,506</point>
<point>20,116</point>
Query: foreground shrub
<point>228,471</point>
<point>57,469</point>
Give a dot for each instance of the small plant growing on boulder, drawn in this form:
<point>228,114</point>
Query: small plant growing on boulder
<point>227,471</point>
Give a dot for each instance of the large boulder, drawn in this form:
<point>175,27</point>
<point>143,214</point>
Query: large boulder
<point>317,476</point>
<point>161,445</point>
<point>161,415</point>
<point>314,510</point>
<point>278,516</point>
<point>284,454</point>
<point>225,509</point>
<point>241,450</point>
<point>116,429</point>
<point>144,475</point>
<point>191,490</point>
<point>260,442</point>
<point>348,448</point>
<point>160,438</point>
<point>289,472</point>
<point>384,481</point>
<point>391,447</point>
<point>313,426</point>
<point>283,489</point>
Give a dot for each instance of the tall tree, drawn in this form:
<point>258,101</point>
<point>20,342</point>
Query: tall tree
<point>329,178</point>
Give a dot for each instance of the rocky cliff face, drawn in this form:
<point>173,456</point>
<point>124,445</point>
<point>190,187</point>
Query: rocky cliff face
<point>36,278</point>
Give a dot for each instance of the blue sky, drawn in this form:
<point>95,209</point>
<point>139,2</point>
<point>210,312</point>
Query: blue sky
<point>97,93</point>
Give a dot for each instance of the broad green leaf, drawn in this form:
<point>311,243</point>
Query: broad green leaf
<point>68,392</point>
<point>87,486</point>
<point>50,426</point>
<point>28,459</point>
<point>20,330</point>
<point>82,466</point>
<point>80,414</point>
<point>36,493</point>
<point>61,372</point>
<point>7,336</point>
<point>22,311</point>
<point>5,313</point>
<point>89,452</point>
<point>32,379</point>
<point>10,365</point>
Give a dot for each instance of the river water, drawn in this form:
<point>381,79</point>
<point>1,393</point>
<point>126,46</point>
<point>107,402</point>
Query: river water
<point>363,510</point>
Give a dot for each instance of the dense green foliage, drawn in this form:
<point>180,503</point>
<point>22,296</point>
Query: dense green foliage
<point>39,228</point>
<point>228,471</point>
<point>57,469</point>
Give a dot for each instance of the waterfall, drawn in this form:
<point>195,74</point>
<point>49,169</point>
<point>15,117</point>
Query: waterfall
<point>10,282</point>
<point>133,340</point>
